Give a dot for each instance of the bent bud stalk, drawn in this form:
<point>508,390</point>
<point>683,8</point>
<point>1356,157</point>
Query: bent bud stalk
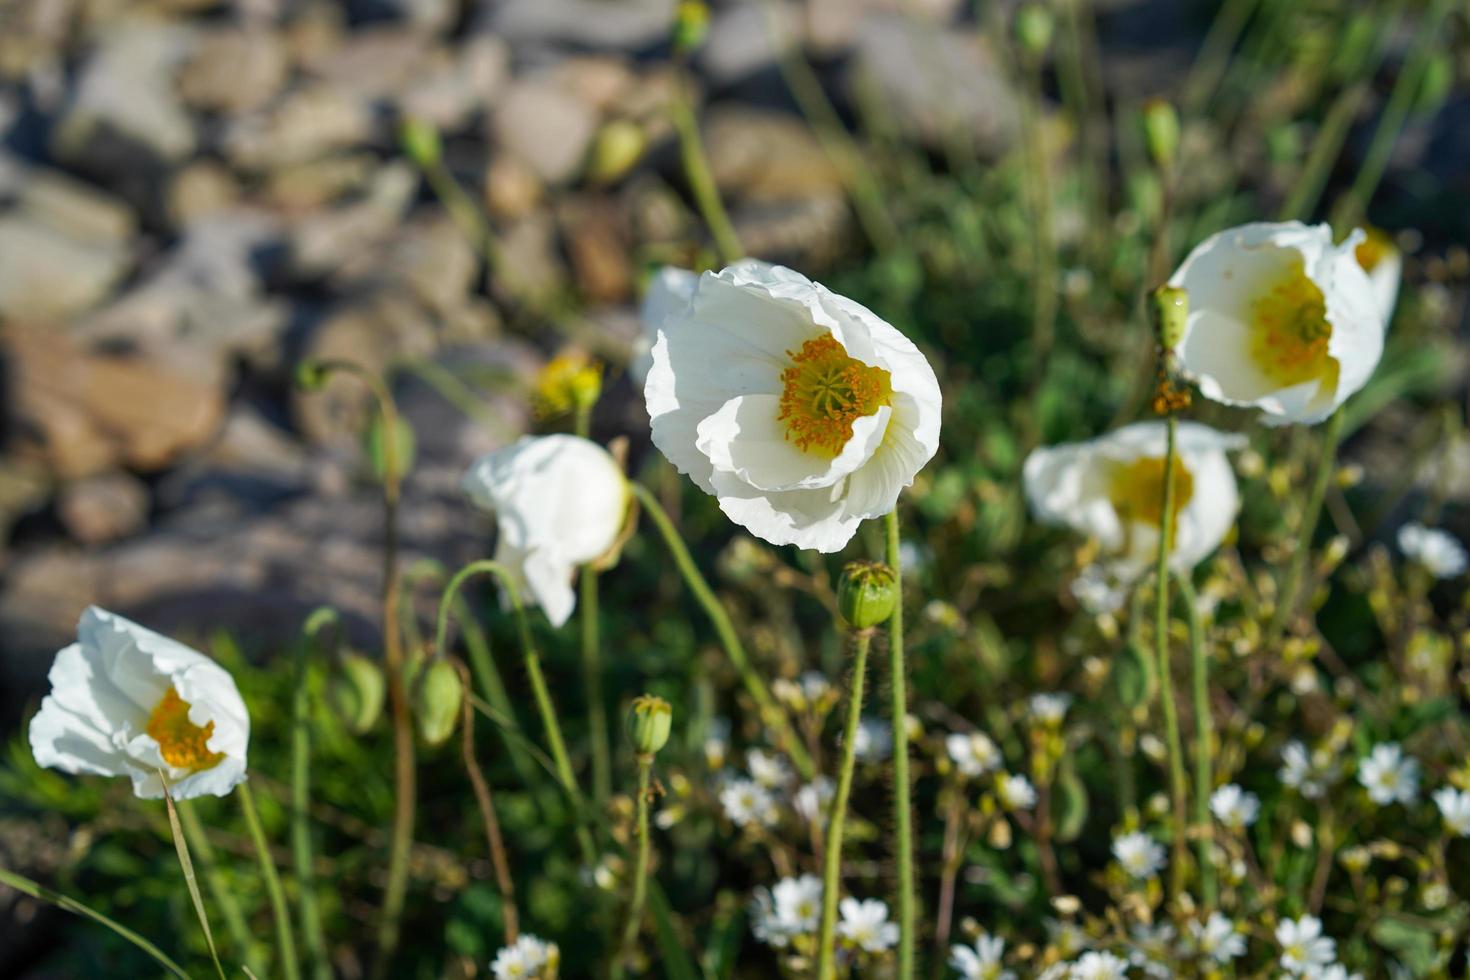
<point>493,839</point>
<point>832,847</point>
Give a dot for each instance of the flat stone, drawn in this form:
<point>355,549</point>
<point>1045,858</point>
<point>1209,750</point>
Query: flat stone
<point>103,508</point>
<point>311,122</point>
<point>44,274</point>
<point>594,24</point>
<point>547,126</point>
<point>234,71</point>
<point>764,156</point>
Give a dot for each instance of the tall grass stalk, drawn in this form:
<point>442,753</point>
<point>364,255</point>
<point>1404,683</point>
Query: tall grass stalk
<point>221,896</point>
<point>285,938</point>
<point>903,842</point>
<point>1203,744</point>
<point>190,881</point>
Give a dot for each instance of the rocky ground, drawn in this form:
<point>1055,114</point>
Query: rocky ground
<point>194,194</point>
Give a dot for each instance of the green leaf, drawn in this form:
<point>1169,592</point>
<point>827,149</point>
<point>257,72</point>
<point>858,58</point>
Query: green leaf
<point>676,962</point>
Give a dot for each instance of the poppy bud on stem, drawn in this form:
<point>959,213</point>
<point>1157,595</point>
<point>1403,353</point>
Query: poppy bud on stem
<point>649,723</point>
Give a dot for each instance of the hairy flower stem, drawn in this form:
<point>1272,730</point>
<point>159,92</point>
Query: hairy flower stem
<point>493,840</point>
<point>1177,789</point>
<point>640,866</point>
<point>220,894</point>
<point>902,817</point>
<point>1288,599</point>
<point>770,713</point>
<point>587,616</point>
<point>405,777</point>
<point>314,938</point>
<point>697,170</point>
<point>1204,780</point>
<point>533,671</point>
<point>285,940</point>
<point>832,847</point>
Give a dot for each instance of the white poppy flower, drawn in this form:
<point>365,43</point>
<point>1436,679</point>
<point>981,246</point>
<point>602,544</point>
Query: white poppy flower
<point>1384,263</point>
<point>559,501</point>
<point>801,411</point>
<point>1437,551</point>
<point>1281,319</point>
<point>126,701</point>
<point>1111,488</point>
<point>669,291</point>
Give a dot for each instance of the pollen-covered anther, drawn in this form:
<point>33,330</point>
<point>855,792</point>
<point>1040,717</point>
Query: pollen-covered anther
<point>1291,331</point>
<point>825,391</point>
<point>183,744</point>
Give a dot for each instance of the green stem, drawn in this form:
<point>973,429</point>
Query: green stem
<point>220,893</point>
<point>1166,681</point>
<point>533,670</point>
<point>301,846</point>
<point>832,847</point>
<point>1204,749</point>
<point>640,867</point>
<point>285,941</point>
<point>1288,599</point>
<point>1044,256</point>
<point>492,685</point>
<point>494,842</point>
<point>41,893</point>
<point>1395,114</point>
<point>191,881</point>
<point>1214,54</point>
<point>587,616</point>
<point>902,818</point>
<point>697,171</point>
<point>770,712</point>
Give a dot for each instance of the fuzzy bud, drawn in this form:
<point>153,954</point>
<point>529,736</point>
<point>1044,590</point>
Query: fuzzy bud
<point>356,691</point>
<point>438,699</point>
<point>649,722</point>
<point>420,142</point>
<point>1169,307</point>
<point>1161,133</point>
<point>1034,28</point>
<point>618,148</point>
<point>376,446</point>
<point>867,594</point>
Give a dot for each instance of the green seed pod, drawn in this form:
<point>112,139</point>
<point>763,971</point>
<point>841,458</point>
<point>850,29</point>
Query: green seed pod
<point>867,594</point>
<point>1169,306</point>
<point>420,141</point>
<point>1069,804</point>
<point>618,148</point>
<point>356,690</point>
<point>438,699</point>
<point>649,722</point>
<point>1133,676</point>
<point>404,445</point>
<point>1161,133</point>
<point>1034,28</point>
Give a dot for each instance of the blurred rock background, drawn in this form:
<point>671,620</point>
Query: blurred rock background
<point>194,194</point>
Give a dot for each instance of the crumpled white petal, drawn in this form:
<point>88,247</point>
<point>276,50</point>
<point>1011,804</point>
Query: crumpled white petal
<point>560,501</point>
<point>669,291</point>
<point>714,394</point>
<point>106,688</point>
<point>1227,275</point>
<point>1076,485</point>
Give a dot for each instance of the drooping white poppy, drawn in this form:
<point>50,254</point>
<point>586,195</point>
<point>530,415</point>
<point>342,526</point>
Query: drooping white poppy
<point>669,292</point>
<point>559,501</point>
<point>1384,263</point>
<point>800,410</point>
<point>1281,319</point>
<point>126,701</point>
<point>1111,489</point>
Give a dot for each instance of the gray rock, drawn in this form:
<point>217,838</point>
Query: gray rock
<point>934,83</point>
<point>596,24</point>
<point>343,238</point>
<point>76,210</point>
<point>44,274</point>
<point>309,123</point>
<point>234,70</point>
<point>748,38</point>
<point>375,62</point>
<point>451,90</point>
<point>834,25</point>
<point>103,508</point>
<point>434,260</point>
<point>767,156</point>
<point>547,126</point>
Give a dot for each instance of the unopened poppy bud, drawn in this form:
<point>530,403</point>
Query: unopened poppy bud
<point>311,375</point>
<point>649,722</point>
<point>867,594</point>
<point>420,142</point>
<point>691,25</point>
<point>1161,133</point>
<point>438,699</point>
<point>356,690</point>
<point>1034,28</point>
<point>617,149</point>
<point>376,446</point>
<point>1169,306</point>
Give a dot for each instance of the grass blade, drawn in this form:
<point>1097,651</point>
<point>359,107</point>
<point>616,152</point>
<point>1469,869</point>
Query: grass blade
<point>189,877</point>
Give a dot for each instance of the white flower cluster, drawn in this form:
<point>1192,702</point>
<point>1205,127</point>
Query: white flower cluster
<point>792,908</point>
<point>528,959</point>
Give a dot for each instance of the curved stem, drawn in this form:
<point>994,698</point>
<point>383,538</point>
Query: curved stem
<point>832,848</point>
<point>902,818</point>
<point>697,171</point>
<point>533,670</point>
<point>1287,600</point>
<point>1203,745</point>
<point>220,894</point>
<point>640,866</point>
<point>770,712</point>
<point>1166,680</point>
<point>285,941</point>
<point>587,616</point>
<point>493,840</point>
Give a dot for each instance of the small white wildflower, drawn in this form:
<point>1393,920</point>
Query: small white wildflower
<point>815,686</point>
<point>746,802</point>
<point>1098,590</point>
<point>1099,966</point>
<point>1454,807</point>
<point>1234,807</point>
<point>973,754</point>
<point>1389,775</point>
<point>1217,939</point>
<point>717,744</point>
<point>1151,947</point>
<point>529,958</point>
<point>1068,937</point>
<point>865,925</point>
<point>769,770</point>
<point>1304,950</point>
<point>983,961</point>
<point>1139,854</point>
<point>874,740</point>
<point>1015,792</point>
<point>1440,554</point>
<point>1049,709</point>
<point>813,800</point>
<point>1309,773</point>
<point>1336,971</point>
